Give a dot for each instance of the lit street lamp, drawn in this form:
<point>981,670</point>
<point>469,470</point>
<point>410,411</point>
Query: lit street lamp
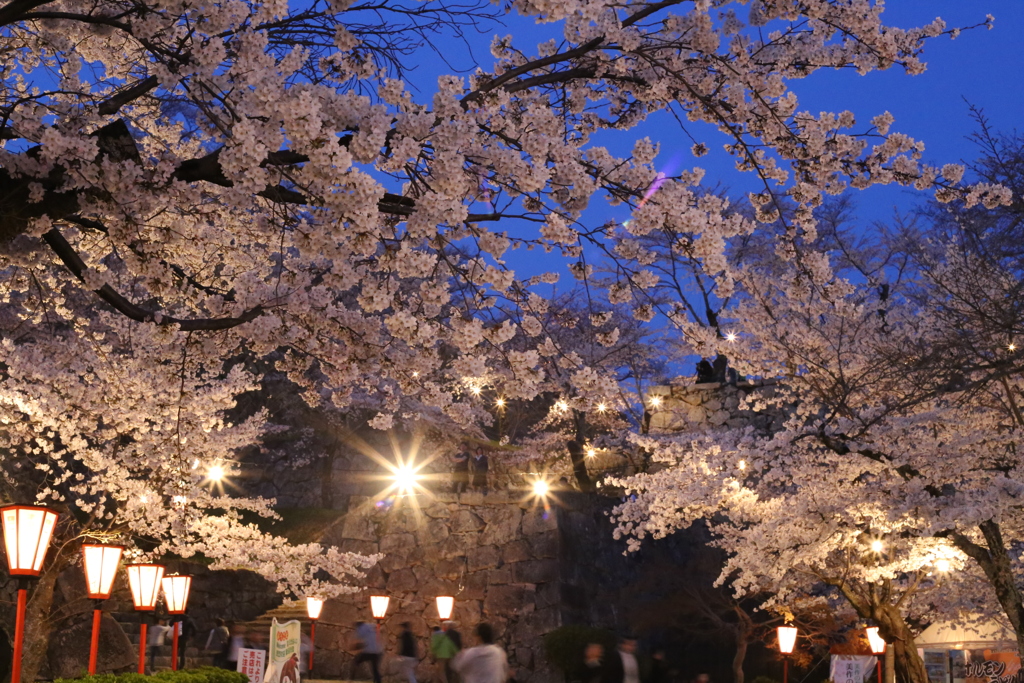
<point>313,607</point>
<point>100,563</point>
<point>787,640</point>
<point>144,582</point>
<point>877,644</point>
<point>176,596</point>
<point>445,605</point>
<point>27,532</point>
<point>378,608</point>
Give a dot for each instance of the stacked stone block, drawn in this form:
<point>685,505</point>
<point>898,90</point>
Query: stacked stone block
<point>688,406</point>
<point>497,555</point>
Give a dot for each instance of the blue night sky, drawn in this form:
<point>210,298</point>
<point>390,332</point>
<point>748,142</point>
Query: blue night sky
<point>981,67</point>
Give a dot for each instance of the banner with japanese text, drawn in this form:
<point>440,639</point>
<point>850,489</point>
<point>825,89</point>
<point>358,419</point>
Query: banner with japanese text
<point>850,668</point>
<point>985,666</point>
<point>285,645</point>
<point>251,663</point>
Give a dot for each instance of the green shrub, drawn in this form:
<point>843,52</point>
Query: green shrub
<point>565,645</point>
<point>204,674</point>
<point>764,679</point>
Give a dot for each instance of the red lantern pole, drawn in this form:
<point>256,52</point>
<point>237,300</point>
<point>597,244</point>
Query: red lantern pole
<point>174,646</point>
<point>94,644</point>
<point>787,641</point>
<point>313,609</point>
<point>379,608</point>
<point>27,532</point>
<point>176,590</point>
<point>877,644</point>
<point>100,563</point>
<point>144,582</point>
<point>312,644</point>
<point>19,635</point>
<point>142,644</point>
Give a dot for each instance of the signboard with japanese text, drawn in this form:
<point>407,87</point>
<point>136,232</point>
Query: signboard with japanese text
<point>285,649</point>
<point>850,668</point>
<point>985,666</point>
<point>252,663</point>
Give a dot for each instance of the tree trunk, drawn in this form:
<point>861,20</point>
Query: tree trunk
<point>576,454</point>
<point>995,562</point>
<point>37,622</point>
<point>740,655</point>
<point>891,626</point>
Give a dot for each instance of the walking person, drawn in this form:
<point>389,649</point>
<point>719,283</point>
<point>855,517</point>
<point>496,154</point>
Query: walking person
<point>593,663</point>
<point>443,649</point>
<point>186,633</point>
<point>216,642</point>
<point>484,663</point>
<point>157,639</point>
<point>235,643</point>
<point>659,668</point>
<point>460,470</point>
<point>407,653</point>
<point>480,466</point>
<point>368,649</point>
<point>622,666</point>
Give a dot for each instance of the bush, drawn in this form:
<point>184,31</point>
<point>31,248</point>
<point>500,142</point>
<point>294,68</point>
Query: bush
<point>764,679</point>
<point>204,674</point>
<point>565,645</point>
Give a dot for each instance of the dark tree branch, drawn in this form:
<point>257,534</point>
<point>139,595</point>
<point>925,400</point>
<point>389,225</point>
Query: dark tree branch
<point>66,253</point>
<point>112,104</point>
<point>13,10</point>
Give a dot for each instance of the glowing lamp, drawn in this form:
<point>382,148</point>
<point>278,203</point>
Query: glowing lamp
<point>176,592</point>
<point>943,565</point>
<point>877,546</point>
<point>379,606</point>
<point>27,532</point>
<point>875,641</point>
<point>144,582</point>
<point>445,605</point>
<point>787,639</point>
<point>313,608</point>
<point>100,562</point>
<point>406,478</point>
<point>541,488</point>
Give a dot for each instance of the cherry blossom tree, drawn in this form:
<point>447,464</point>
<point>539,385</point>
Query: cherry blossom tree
<point>184,185</point>
<point>898,381</point>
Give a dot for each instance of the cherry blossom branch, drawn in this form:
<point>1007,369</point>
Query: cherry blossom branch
<point>66,253</point>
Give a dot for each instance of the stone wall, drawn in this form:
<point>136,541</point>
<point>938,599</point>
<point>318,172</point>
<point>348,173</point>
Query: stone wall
<point>686,406</point>
<point>497,555</point>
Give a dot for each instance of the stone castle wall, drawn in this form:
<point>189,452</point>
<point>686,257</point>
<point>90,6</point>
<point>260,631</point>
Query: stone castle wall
<point>510,562</point>
<point>687,406</point>
<point>497,555</point>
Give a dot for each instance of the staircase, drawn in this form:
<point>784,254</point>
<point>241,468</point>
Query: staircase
<point>260,626</point>
<point>162,661</point>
